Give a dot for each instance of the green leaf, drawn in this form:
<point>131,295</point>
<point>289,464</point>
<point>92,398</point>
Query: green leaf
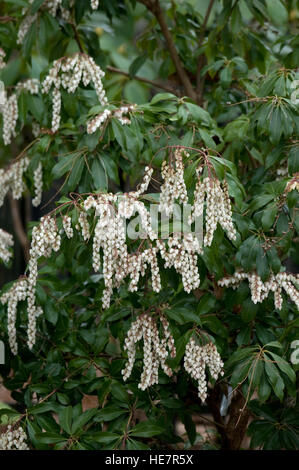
<point>119,392</point>
<point>104,437</point>
<point>51,313</point>
<point>119,133</point>
<point>269,215</point>
<point>226,76</point>
<point>283,366</point>
<point>42,408</point>
<point>277,11</point>
<point>199,114</point>
<point>206,304</point>
<point>241,371</point>
<point>260,201</point>
<point>293,160</point>
<point>274,377</point>
<point>76,173</point>
<point>146,429</point>
<point>65,418</point>
<point>98,174</point>
<point>264,389</point>
<point>110,412</point>
<point>244,336</point>
<point>82,419</point>
<point>215,325</point>
<point>163,97</point>
<point>137,64</point>
<point>226,163</point>
<point>262,264</point>
<point>50,438</point>
<point>36,6</point>
<point>64,164</point>
<point>132,444</point>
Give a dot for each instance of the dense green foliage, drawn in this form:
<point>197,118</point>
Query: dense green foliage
<point>241,65</point>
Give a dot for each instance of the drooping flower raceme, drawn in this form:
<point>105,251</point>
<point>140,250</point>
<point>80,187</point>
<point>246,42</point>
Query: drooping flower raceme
<point>218,207</point>
<point>174,187</point>
<point>100,119</point>
<point>38,185</point>
<point>197,358</point>
<point>11,179</point>
<point>2,61</point>
<point>6,242</point>
<point>155,349</point>
<point>110,252</point>
<point>45,239</point>
<point>16,294</point>
<point>54,8</point>
<point>67,73</point>
<point>260,290</point>
<point>9,107</point>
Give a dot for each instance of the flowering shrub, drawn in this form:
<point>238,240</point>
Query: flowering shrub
<point>161,278</point>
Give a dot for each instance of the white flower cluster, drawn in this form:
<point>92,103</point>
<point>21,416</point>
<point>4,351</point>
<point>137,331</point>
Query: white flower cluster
<point>9,111</point>
<point>260,290</point>
<point>118,113</point>
<point>83,222</point>
<point>282,171</point>
<point>208,192</point>
<point>9,107</point>
<point>6,242</point>
<point>11,179</point>
<point>25,25</point>
<point>53,7</point>
<point>67,226</point>
<point>16,294</point>
<point>174,185</point>
<point>35,129</point>
<point>182,254</point>
<point>94,4</point>
<point>13,439</point>
<point>110,249</point>
<point>31,85</point>
<point>137,264</point>
<point>45,239</point>
<point>38,185</point>
<point>98,121</point>
<point>148,171</point>
<point>293,184</point>
<point>2,61</point>
<point>218,207</point>
<point>196,359</point>
<point>68,73</point>
<point>155,349</point>
<point>110,236</point>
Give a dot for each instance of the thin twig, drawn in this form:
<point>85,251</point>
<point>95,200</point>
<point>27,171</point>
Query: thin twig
<point>77,37</point>
<point>155,7</point>
<point>199,81</point>
<point>162,85</point>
